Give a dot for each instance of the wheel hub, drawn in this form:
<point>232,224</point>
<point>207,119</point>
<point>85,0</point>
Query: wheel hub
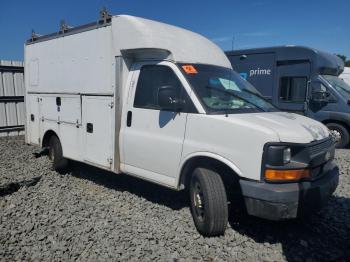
<point>197,200</point>
<point>336,135</point>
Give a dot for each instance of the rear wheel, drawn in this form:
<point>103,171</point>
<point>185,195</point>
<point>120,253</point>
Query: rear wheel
<point>340,134</point>
<point>208,202</point>
<point>59,163</point>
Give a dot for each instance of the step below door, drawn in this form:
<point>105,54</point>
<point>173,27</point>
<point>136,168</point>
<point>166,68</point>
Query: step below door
<point>98,125</point>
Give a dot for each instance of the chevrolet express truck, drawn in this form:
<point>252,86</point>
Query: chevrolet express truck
<point>161,103</point>
<point>302,80</point>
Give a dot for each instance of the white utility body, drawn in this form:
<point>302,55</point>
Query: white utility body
<point>98,88</point>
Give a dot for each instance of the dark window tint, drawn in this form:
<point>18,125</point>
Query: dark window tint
<point>293,89</point>
<point>151,78</point>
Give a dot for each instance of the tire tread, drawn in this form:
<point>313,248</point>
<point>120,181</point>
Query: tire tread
<point>215,195</point>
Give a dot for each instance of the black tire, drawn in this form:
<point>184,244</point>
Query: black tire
<point>341,132</point>
<point>59,163</point>
<point>209,206</point>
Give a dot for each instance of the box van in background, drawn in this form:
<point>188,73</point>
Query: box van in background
<point>345,75</point>
<point>162,103</point>
<point>301,80</point>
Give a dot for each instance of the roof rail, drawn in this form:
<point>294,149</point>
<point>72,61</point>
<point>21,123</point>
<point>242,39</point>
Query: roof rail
<point>104,19</point>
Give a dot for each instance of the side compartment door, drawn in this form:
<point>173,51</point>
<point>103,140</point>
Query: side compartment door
<point>98,122</point>
<point>34,119</point>
<point>292,86</point>
<point>152,138</point>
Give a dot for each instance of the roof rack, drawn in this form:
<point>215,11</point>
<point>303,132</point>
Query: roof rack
<point>34,36</point>
<point>105,19</point>
<point>64,27</point>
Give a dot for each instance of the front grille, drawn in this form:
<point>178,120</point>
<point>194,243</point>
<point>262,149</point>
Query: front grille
<point>319,160</point>
<point>321,147</point>
<point>316,172</point>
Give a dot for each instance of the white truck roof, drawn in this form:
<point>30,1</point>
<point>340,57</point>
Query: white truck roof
<point>346,75</point>
<point>83,56</point>
<point>132,32</point>
<point>346,71</point>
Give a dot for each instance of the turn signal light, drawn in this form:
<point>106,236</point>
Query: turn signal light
<point>286,175</point>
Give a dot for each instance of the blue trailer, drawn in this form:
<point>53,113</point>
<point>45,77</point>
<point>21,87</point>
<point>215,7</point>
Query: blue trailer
<point>301,80</point>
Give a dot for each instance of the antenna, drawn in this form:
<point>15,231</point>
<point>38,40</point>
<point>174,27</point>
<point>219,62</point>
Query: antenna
<point>233,42</point>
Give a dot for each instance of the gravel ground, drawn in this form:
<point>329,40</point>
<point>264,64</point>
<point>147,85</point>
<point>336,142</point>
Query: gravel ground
<point>91,215</point>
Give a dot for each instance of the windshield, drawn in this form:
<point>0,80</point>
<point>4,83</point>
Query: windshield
<point>221,90</point>
<point>339,84</point>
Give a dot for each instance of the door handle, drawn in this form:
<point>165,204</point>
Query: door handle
<point>129,119</point>
<point>89,128</point>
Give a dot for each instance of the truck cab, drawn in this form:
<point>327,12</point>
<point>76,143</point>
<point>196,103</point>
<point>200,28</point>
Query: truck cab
<point>163,104</point>
<point>301,80</point>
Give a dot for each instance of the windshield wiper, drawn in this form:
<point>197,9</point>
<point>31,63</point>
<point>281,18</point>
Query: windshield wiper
<point>235,95</point>
<point>254,94</point>
<point>261,97</point>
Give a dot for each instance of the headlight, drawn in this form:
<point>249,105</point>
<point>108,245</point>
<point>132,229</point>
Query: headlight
<point>280,165</point>
<point>278,155</point>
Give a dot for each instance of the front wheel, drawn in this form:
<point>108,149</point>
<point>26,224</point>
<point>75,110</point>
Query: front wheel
<point>208,202</point>
<point>340,134</point>
<point>59,163</point>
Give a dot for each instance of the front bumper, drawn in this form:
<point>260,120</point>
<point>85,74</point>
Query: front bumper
<point>289,200</point>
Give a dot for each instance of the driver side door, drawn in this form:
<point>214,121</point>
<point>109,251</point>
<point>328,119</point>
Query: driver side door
<point>320,109</point>
<point>152,138</point>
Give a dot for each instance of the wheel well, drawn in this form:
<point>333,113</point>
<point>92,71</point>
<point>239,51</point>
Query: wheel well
<point>328,121</point>
<point>47,136</point>
<point>229,177</point>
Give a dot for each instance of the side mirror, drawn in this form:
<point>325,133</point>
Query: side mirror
<point>320,96</point>
<point>319,92</point>
<point>168,99</point>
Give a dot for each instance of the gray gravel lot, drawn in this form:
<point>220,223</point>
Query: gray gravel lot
<point>92,215</point>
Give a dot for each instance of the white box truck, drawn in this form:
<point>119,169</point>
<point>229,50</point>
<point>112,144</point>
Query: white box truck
<point>161,103</point>
<point>346,75</point>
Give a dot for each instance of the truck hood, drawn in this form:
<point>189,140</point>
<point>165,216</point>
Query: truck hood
<point>289,127</point>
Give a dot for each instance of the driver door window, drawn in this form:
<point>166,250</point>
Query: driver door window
<point>151,78</point>
<point>318,87</point>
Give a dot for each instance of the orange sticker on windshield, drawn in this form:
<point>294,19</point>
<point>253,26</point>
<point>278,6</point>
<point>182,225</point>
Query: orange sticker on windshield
<point>189,69</point>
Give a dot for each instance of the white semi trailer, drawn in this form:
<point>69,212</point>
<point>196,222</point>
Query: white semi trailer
<point>161,103</point>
